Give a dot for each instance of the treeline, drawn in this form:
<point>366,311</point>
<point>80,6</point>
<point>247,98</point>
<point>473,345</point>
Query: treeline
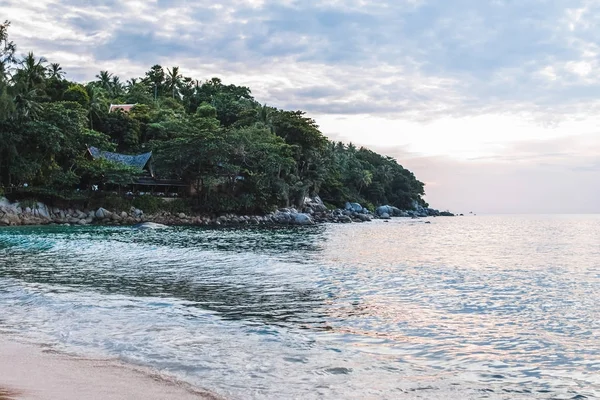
<point>238,154</point>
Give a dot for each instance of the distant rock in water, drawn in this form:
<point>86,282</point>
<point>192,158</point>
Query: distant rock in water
<point>149,225</point>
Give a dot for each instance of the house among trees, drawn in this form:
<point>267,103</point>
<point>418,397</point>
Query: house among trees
<point>123,107</point>
<point>146,182</point>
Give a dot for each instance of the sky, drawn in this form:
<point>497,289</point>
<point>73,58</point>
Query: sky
<point>494,104</point>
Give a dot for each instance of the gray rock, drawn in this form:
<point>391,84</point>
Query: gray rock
<point>303,219</point>
<point>363,217</point>
<point>124,214</point>
<point>385,216</point>
<point>357,208</point>
<point>390,210</point>
<point>101,213</point>
<point>181,215</point>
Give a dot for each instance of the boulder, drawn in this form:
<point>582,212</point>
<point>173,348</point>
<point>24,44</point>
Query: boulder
<point>390,210</point>
<point>124,214</point>
<point>363,217</point>
<point>303,219</point>
<point>101,213</point>
<point>384,216</point>
<point>355,207</point>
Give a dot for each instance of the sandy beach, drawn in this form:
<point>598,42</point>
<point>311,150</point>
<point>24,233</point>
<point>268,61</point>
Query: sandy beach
<point>29,372</point>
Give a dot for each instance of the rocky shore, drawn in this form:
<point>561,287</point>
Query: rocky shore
<point>313,212</point>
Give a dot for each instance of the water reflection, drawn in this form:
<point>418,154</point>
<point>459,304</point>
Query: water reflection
<point>496,307</point>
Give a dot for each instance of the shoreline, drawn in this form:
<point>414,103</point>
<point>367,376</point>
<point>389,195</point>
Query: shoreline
<point>13,214</point>
<point>31,372</point>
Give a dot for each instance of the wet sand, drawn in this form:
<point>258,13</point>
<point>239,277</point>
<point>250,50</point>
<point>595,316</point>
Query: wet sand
<point>29,372</point>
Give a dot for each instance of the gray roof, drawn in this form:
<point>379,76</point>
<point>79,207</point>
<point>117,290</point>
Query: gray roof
<point>138,161</point>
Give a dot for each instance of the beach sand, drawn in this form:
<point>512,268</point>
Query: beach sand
<point>29,372</point>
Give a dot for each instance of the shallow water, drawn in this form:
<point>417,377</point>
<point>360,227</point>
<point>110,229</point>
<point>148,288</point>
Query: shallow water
<point>474,307</point>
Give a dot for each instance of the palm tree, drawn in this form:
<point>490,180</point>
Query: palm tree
<point>97,104</point>
<point>104,80</point>
<point>55,71</point>
<point>116,86</point>
<point>3,72</point>
<point>27,106</point>
<point>32,72</point>
<point>131,83</point>
<point>173,80</point>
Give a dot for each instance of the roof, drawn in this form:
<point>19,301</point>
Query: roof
<point>137,161</point>
<point>122,107</point>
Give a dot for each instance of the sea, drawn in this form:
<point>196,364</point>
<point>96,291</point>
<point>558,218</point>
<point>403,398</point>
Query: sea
<point>473,307</point>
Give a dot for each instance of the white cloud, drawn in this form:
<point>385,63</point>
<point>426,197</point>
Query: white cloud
<point>453,81</point>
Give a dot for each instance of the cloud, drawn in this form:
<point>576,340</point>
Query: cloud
<point>474,94</point>
<point>538,55</point>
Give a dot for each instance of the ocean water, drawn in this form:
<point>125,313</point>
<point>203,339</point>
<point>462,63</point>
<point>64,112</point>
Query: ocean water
<point>496,307</point>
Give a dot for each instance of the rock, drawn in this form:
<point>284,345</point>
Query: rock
<point>124,215</point>
<point>101,213</point>
<point>27,210</point>
<point>82,222</point>
<point>390,210</point>
<point>363,217</point>
<point>149,225</point>
<point>181,215</point>
<point>385,216</point>
<point>357,208</point>
<point>345,219</point>
<point>303,219</point>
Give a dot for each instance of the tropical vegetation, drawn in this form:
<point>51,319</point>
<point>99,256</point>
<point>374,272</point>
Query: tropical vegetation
<point>237,154</point>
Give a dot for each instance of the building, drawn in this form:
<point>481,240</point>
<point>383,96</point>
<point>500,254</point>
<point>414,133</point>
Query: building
<point>123,107</point>
<point>147,182</point>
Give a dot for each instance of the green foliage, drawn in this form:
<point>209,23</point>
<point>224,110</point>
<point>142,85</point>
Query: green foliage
<point>149,204</point>
<point>236,154</point>
<point>104,172</point>
<point>152,205</point>
<point>29,203</point>
<point>77,94</point>
<point>109,201</point>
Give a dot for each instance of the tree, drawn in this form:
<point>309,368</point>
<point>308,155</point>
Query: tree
<point>27,105</point>
<point>105,81</point>
<point>173,80</point>
<point>78,94</point>
<point>31,73</point>
<point>7,52</point>
<point>156,78</point>
<point>55,71</point>
<point>97,104</point>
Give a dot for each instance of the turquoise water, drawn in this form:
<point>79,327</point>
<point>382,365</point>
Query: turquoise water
<point>474,307</point>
